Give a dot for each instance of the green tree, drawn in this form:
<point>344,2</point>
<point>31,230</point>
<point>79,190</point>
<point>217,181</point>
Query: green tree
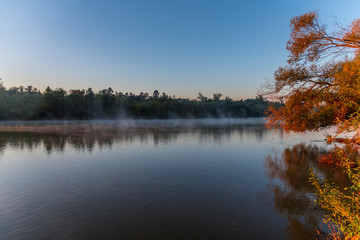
<point>77,106</point>
<point>217,96</point>
<point>90,106</point>
<point>156,94</point>
<point>108,102</point>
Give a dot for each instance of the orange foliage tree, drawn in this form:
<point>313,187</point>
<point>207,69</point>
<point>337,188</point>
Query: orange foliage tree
<point>321,83</point>
<point>320,87</point>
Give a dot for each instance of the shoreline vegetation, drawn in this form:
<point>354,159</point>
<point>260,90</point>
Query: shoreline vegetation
<point>28,103</point>
<point>320,88</point>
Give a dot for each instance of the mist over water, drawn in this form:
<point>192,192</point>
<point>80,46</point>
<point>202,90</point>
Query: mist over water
<point>127,122</point>
<point>86,126</point>
<point>157,179</point>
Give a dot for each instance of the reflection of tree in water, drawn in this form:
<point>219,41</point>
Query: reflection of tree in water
<point>220,135</point>
<point>292,192</point>
<point>87,139</point>
<point>84,141</point>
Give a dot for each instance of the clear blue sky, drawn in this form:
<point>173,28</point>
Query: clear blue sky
<point>179,47</point>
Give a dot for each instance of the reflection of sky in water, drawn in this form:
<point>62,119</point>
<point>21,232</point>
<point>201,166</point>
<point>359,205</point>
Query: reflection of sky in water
<point>130,183</point>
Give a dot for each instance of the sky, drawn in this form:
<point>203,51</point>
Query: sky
<point>180,47</point>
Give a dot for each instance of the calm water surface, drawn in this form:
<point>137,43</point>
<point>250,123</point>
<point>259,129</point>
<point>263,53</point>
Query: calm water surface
<point>159,180</point>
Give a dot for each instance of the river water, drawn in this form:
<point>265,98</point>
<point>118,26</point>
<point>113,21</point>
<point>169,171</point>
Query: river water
<point>216,179</point>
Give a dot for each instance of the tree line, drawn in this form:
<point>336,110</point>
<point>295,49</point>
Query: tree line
<point>28,103</point>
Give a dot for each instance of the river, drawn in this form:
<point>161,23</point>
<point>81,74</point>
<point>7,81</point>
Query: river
<point>160,179</point>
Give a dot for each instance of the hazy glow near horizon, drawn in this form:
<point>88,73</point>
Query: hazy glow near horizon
<point>177,47</point>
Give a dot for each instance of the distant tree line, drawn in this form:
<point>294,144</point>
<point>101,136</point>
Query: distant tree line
<point>28,103</point>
